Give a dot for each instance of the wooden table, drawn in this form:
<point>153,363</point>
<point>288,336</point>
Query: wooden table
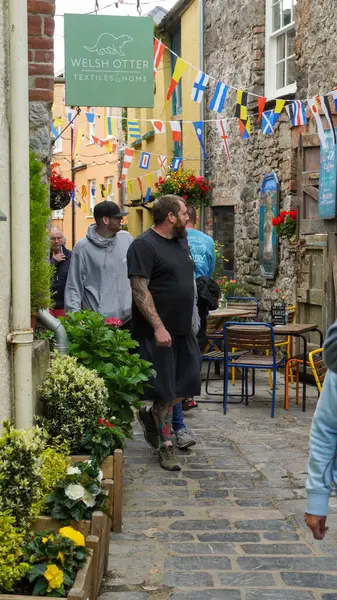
<point>227,314</point>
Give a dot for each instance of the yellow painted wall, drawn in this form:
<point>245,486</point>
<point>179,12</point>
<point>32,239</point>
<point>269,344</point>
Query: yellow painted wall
<point>100,165</point>
<point>162,143</point>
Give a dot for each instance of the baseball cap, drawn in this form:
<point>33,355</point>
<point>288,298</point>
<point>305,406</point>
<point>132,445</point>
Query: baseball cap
<point>108,209</point>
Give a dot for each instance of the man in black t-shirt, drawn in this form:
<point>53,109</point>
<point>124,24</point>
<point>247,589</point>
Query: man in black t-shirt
<point>161,271</point>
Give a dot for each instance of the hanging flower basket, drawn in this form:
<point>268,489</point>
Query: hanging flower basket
<point>59,200</point>
<point>184,183</point>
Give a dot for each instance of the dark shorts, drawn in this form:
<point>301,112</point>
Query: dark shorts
<point>178,368</point>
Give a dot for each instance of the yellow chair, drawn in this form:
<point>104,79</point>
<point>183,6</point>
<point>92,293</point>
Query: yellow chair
<point>286,343</point>
<point>316,362</point>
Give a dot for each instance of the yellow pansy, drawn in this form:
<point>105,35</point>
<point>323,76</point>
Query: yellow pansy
<point>60,556</point>
<point>44,540</point>
<point>75,536</point>
<point>54,576</point>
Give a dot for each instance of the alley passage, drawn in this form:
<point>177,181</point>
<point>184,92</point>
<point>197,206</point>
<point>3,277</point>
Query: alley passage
<point>229,525</point>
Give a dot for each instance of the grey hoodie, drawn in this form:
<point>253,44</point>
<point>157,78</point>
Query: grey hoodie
<point>98,278</point>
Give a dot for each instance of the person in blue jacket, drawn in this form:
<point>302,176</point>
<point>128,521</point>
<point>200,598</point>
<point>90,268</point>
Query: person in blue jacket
<point>201,247</point>
<point>322,466</point>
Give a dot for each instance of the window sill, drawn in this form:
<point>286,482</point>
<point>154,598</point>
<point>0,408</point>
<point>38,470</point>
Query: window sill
<point>286,93</point>
<point>88,217</point>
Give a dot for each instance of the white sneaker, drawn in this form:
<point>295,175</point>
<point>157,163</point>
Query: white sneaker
<point>184,439</point>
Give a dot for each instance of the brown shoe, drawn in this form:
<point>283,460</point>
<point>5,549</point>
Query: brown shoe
<point>168,459</point>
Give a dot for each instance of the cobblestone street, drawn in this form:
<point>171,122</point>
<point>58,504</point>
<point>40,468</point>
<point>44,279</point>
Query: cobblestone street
<point>230,524</point>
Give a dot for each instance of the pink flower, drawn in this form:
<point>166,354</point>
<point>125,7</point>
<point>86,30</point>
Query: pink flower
<point>113,322</point>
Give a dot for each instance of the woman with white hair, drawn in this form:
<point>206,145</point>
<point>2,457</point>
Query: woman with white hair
<point>60,258</point>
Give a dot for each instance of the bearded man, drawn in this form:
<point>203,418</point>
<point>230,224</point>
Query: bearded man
<point>161,271</point>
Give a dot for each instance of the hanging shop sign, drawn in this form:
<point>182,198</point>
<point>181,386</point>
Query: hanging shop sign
<point>269,208</point>
<point>109,61</point>
<point>327,178</point>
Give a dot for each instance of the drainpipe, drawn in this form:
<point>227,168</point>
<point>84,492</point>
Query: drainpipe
<point>55,325</point>
<point>22,335</point>
<point>202,104</point>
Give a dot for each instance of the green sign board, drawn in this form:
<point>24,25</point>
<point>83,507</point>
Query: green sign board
<point>109,61</point>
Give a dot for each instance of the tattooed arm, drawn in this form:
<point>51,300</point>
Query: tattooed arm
<point>144,301</point>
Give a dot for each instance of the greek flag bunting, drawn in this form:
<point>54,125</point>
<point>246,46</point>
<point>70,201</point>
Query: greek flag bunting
<point>219,97</point>
<point>176,163</point>
<point>199,86</point>
<point>268,122</point>
<point>144,160</point>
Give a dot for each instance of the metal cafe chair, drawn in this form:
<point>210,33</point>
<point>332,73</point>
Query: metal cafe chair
<point>256,343</point>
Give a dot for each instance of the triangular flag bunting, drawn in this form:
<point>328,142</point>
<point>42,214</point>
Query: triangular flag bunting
<point>176,131</point>
<point>324,100</point>
<point>148,191</point>
<point>71,115</point>
<point>320,130</point>
<point>84,191</point>
<point>278,109</point>
<point>199,130</point>
<point>261,103</point>
<point>176,163</point>
<point>53,130</point>
<point>268,122</point>
<point>130,186</point>
<point>296,113</point>
<point>245,128</point>
<point>128,156</point>
<point>144,160</point>
<point>159,126</point>
<point>199,86</point>
<point>58,122</point>
<point>159,49</point>
<point>90,117</point>
<point>96,140</point>
<point>179,69</point>
<point>219,97</point>
<point>241,105</point>
<point>109,129</point>
<point>140,185</point>
<point>76,141</point>
<point>162,161</point>
<point>222,127</point>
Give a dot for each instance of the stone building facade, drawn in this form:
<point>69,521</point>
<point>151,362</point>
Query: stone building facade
<point>236,52</point>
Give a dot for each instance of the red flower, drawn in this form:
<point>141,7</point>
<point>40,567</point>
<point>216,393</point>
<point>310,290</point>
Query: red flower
<point>293,214</point>
<point>104,422</point>
<point>276,221</point>
<point>113,322</point>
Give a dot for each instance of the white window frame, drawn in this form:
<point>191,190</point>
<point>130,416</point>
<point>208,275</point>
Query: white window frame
<point>92,126</point>
<point>271,91</point>
<point>57,147</point>
<point>111,196</point>
<point>92,198</point>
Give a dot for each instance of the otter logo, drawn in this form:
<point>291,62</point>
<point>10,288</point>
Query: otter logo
<point>109,44</point>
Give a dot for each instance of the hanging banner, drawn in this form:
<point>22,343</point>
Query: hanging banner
<point>327,178</point>
<point>109,57</point>
<point>269,202</point>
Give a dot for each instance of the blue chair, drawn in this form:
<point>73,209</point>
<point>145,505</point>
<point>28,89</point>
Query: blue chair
<point>246,302</point>
<point>256,344</point>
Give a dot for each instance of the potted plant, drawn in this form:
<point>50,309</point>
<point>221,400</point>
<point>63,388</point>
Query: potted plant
<point>229,287</point>
<point>195,190</point>
<point>60,189</point>
<point>285,225</point>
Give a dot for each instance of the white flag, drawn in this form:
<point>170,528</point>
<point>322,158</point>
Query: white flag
<point>320,129</point>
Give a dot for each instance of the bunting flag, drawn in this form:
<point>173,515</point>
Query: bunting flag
<point>53,130</point>
<point>277,111</point>
<point>199,86</point>
<point>261,103</point>
<point>219,97</point>
<point>320,130</point>
<point>162,161</point>
<point>70,115</point>
<point>109,126</point>
<point>148,191</point>
<point>334,95</point>
<point>324,100</point>
<point>140,185</point>
<point>130,186</point>
<point>222,127</point>
<point>90,117</point>
<point>134,130</point>
<point>159,126</point>
<point>76,141</point>
<point>58,122</point>
<point>245,128</point>
<point>296,113</point>
<point>144,160</point>
<point>241,105</point>
<point>199,130</point>
<point>268,122</point>
<point>128,156</point>
<point>176,131</point>
<point>104,192</point>
<point>179,69</point>
<point>176,164</point>
<point>84,192</point>
<point>96,140</point>
<point>159,49</point>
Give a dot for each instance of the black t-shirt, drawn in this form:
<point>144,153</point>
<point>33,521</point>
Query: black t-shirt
<point>168,265</point>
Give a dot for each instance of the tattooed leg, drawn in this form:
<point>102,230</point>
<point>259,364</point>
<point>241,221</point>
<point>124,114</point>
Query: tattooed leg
<point>162,414</point>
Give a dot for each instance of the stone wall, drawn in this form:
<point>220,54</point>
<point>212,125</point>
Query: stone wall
<point>41,74</point>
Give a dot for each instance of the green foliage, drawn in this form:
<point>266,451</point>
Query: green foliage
<point>20,471</point>
<point>41,271</point>
<point>78,494</point>
<point>74,398</point>
<point>55,560</point>
<point>103,439</point>
<point>107,350</point>
<point>54,464</point>
<point>12,565</point>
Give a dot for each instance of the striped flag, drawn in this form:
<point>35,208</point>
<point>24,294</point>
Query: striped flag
<point>199,130</point>
<point>128,156</point>
<point>296,112</point>
<point>144,160</point>
<point>134,129</point>
<point>109,126</point>
<point>222,127</point>
<point>176,131</point>
<point>241,105</point>
<point>199,86</point>
<point>219,97</point>
<point>176,163</point>
<point>159,49</point>
<point>324,100</point>
<point>159,126</point>
<point>320,130</point>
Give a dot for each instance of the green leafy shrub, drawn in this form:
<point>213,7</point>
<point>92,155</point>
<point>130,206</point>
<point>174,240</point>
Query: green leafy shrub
<point>12,565</point>
<point>107,350</point>
<point>54,464</point>
<point>74,398</point>
<point>41,271</point>
<point>20,471</point>
<point>103,439</point>
<point>78,494</point>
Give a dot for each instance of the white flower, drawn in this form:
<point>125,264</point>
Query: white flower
<point>74,491</point>
<point>100,475</point>
<point>73,471</point>
<point>89,499</point>
<point>87,462</point>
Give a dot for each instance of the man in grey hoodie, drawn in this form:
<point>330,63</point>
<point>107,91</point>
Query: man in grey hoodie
<point>98,278</point>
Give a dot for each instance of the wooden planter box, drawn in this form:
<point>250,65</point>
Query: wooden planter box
<point>81,590</point>
<point>112,468</point>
